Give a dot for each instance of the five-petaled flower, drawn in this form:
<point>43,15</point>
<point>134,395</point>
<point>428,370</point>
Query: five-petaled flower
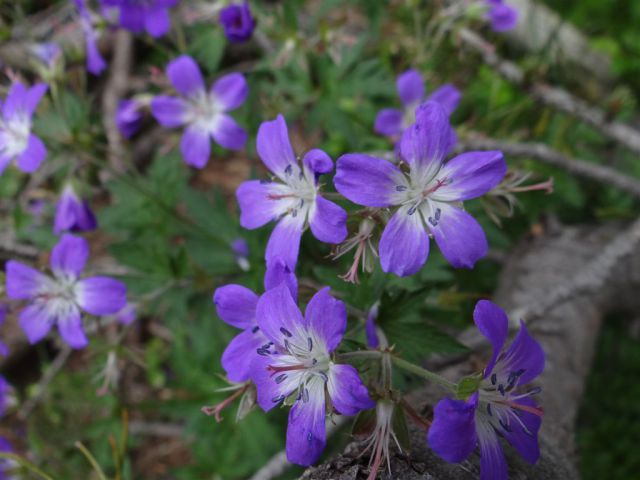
<point>59,298</point>
<point>502,16</point>
<point>499,408</point>
<point>204,113</point>
<point>236,305</point>
<point>138,16</point>
<point>428,196</point>
<point>16,139</point>
<point>295,365</point>
<point>73,214</point>
<point>411,89</point>
<point>237,22</point>
<point>293,200</point>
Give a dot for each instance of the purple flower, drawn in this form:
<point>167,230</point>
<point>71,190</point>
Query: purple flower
<point>48,53</point>
<point>95,63</point>
<point>73,214</point>
<point>294,200</point>
<point>203,112</point>
<point>498,408</point>
<point>138,16</point>
<point>59,298</point>
<point>371,330</point>
<point>237,22</point>
<point>6,465</point>
<point>240,249</point>
<point>502,16</point>
<point>391,121</point>
<point>4,392</point>
<point>4,350</point>
<point>16,140</point>
<point>127,315</point>
<point>428,196</point>
<point>236,305</point>
<point>129,117</point>
<point>295,364</point>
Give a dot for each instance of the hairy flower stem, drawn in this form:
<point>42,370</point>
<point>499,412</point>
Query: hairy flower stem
<point>421,372</point>
<point>359,355</point>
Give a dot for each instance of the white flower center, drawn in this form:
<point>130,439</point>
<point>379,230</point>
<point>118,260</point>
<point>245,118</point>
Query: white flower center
<point>14,135</point>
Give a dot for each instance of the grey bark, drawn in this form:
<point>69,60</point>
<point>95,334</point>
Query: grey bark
<point>562,284</point>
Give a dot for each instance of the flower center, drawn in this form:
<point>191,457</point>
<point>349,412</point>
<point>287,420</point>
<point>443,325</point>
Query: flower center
<point>14,135</point>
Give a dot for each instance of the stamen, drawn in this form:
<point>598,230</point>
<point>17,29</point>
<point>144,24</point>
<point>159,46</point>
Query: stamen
<point>412,210</point>
<point>278,399</point>
<point>281,378</point>
<point>255,329</point>
<point>286,332</point>
<point>310,343</point>
<point>305,395</point>
<point>494,379</point>
<point>433,221</point>
<point>505,426</point>
<point>489,410</point>
<point>288,169</point>
<point>401,188</point>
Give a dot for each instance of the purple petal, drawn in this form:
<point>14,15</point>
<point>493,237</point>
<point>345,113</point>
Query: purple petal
<point>157,22</point>
<point>502,17</point>
<point>368,181</point>
<point>306,435</point>
<point>95,61</point>
<point>240,353</point>
<point>34,154</point>
<point>71,331</point>
<point>494,325</point>
<point>34,95</point>
<point>493,465</point>
<point>452,434</point>
<point>127,315</point>
<point>269,393</point>
<point>388,122</point>
<point>279,317</point>
<point>328,221</point>
<point>278,273</point>
<point>185,76</point>
<point>255,207</point>
<point>410,87</point>
<point>447,96</point>
<point>132,17</point>
<point>170,112</point>
<point>284,241</point>
<point>128,117</point>
<point>195,146</point>
<point>236,305</point>
<point>524,353</point>
<point>73,214</point>
<point>458,235</point>
<point>371,330</point>
<point>525,441</point>
<point>101,295</point>
<point>274,147</point>
<point>5,160</point>
<point>425,144</point>
<point>237,22</point>
<point>471,175</point>
<point>318,161</point>
<point>404,245</point>
<point>228,134</point>
<point>231,91</point>
<point>348,393</point>
<point>70,255</point>
<point>22,281</point>
<point>327,317</point>
<point>15,102</point>
<point>36,321</point>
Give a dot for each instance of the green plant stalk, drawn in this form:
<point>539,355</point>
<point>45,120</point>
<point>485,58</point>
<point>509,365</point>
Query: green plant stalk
<point>421,372</point>
<point>26,464</point>
<point>91,460</point>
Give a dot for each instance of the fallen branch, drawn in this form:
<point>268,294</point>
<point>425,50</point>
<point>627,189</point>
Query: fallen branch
<point>553,97</point>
